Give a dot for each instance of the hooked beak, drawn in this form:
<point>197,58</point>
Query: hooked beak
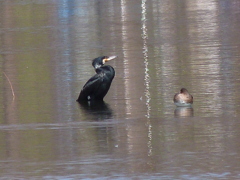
<point>109,58</point>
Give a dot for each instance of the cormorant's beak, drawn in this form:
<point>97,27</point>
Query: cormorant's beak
<point>109,58</point>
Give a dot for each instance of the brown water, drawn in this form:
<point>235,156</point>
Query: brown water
<point>46,49</point>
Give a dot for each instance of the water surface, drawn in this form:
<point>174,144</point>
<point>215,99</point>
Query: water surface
<point>46,48</point>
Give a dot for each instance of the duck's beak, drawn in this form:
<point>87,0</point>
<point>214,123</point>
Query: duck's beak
<point>110,58</point>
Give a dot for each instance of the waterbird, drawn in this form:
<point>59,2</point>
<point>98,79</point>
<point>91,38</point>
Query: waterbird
<point>98,85</point>
<point>183,98</point>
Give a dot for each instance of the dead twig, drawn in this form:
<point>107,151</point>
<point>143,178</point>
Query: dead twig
<point>10,85</point>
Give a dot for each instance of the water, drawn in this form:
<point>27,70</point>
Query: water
<point>46,50</point>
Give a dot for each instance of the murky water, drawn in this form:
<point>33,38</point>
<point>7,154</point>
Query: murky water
<point>46,50</point>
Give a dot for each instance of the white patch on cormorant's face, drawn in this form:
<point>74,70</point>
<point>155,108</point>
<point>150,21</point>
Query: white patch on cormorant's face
<point>97,66</point>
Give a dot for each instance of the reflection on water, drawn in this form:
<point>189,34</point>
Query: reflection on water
<point>100,110</point>
<point>46,48</point>
<point>183,112</point>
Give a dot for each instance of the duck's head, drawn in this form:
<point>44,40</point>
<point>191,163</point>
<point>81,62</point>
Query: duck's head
<point>183,91</point>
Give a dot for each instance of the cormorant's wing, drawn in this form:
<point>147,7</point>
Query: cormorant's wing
<point>90,87</point>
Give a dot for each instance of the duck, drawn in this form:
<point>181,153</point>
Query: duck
<point>183,98</point>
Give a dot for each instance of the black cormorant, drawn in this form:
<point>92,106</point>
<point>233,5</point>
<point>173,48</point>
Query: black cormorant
<point>97,86</point>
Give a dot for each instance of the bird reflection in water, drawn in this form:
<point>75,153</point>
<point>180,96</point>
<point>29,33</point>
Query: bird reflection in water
<point>98,110</point>
<point>99,115</point>
<point>183,112</point>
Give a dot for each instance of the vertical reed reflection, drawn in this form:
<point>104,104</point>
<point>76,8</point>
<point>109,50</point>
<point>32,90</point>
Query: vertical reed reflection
<point>206,61</point>
<point>125,56</point>
<point>147,77</point>
<point>63,60</point>
<point>145,56</point>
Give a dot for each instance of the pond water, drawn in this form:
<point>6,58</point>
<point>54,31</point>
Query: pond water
<point>46,49</point>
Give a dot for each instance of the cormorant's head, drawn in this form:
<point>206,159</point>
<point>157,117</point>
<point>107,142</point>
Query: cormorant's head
<point>100,61</point>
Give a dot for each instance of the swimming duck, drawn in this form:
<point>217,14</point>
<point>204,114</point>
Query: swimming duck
<point>183,98</point>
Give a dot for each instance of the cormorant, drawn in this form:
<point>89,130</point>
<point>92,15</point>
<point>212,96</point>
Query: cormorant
<point>183,98</point>
<point>97,86</point>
